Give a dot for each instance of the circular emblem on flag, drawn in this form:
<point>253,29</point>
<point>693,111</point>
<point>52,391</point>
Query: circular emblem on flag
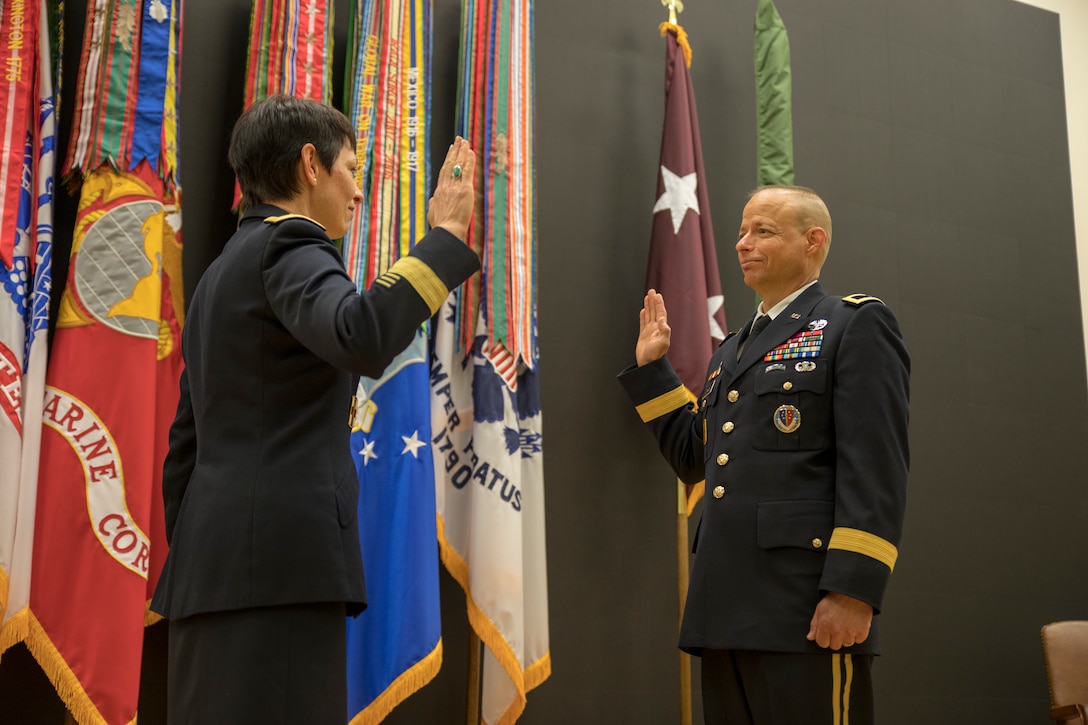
<point>787,418</point>
<point>124,250</point>
<point>116,274</point>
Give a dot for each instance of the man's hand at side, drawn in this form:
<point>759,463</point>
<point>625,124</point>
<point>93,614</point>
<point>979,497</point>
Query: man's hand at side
<point>840,621</point>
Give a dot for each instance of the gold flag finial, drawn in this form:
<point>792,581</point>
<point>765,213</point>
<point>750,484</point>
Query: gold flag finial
<point>674,6</point>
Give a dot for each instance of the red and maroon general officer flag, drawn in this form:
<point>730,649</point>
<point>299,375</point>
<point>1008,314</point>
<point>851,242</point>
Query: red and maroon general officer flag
<point>683,264</point>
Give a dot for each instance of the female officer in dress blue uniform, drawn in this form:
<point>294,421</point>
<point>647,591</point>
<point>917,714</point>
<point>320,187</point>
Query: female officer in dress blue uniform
<point>259,486</point>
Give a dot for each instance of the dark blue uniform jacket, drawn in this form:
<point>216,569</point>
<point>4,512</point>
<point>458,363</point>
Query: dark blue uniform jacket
<point>803,445</point>
<point>259,486</point>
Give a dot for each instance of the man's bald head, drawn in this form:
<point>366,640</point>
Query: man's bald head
<point>808,209</point>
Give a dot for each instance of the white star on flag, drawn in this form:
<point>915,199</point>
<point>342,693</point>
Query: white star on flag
<point>412,445</point>
<point>713,304</point>
<point>368,452</point>
<point>679,196</point>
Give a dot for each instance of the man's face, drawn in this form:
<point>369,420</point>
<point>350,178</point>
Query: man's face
<point>774,253</point>
<point>337,194</point>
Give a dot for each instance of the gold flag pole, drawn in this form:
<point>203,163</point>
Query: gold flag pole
<point>675,7</point>
<point>475,678</point>
<point>682,592</point>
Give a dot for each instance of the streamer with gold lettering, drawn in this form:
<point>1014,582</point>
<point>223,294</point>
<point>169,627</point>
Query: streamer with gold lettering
<point>19,21</point>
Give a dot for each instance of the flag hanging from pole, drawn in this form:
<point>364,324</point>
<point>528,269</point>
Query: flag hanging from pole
<point>683,263</point>
<point>486,412</point>
<point>24,312</point>
<point>774,114</point>
<point>290,52</point>
<point>487,443</point>
<point>112,382</point>
<point>394,646</point>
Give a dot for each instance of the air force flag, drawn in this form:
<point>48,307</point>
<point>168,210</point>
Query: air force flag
<point>395,647</point>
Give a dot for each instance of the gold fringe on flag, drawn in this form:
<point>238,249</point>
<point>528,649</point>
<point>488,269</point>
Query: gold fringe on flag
<point>490,635</point>
<point>407,684</point>
<point>64,681</point>
<point>681,39</point>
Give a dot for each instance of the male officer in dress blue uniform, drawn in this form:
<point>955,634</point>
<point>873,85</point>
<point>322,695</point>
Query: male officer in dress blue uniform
<point>801,435</point>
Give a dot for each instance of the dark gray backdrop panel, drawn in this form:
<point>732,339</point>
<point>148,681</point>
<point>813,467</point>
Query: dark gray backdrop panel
<point>936,131</point>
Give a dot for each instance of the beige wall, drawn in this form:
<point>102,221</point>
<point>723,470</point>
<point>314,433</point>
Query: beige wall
<point>1074,24</point>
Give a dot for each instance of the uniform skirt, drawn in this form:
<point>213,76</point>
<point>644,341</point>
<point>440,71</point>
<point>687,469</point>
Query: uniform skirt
<point>271,665</point>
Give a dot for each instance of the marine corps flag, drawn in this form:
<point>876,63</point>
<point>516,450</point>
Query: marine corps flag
<point>683,264</point>
<point>111,396</point>
<point>112,383</point>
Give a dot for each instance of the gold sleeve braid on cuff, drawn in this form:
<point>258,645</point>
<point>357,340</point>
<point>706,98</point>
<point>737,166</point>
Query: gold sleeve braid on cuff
<point>864,543</point>
<point>421,277</point>
<point>662,404</point>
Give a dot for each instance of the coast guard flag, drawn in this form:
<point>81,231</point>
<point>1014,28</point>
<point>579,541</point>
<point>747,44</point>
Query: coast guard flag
<point>395,646</point>
<point>489,478</point>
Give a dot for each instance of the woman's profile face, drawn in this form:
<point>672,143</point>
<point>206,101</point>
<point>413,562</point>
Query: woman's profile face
<point>336,194</point>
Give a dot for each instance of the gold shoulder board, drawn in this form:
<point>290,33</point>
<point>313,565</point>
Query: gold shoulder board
<point>860,299</point>
<point>285,217</point>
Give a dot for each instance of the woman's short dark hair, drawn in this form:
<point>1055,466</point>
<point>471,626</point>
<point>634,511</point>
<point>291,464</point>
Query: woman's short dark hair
<point>267,140</point>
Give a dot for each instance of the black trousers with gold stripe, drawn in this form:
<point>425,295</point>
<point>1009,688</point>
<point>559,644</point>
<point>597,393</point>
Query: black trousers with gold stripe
<point>782,688</point>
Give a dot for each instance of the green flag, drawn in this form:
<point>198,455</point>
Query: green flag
<point>774,115</point>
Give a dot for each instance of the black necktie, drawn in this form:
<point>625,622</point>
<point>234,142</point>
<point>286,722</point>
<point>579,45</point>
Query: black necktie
<point>757,327</point>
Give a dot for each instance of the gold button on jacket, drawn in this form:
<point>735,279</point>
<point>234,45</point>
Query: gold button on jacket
<point>719,491</point>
